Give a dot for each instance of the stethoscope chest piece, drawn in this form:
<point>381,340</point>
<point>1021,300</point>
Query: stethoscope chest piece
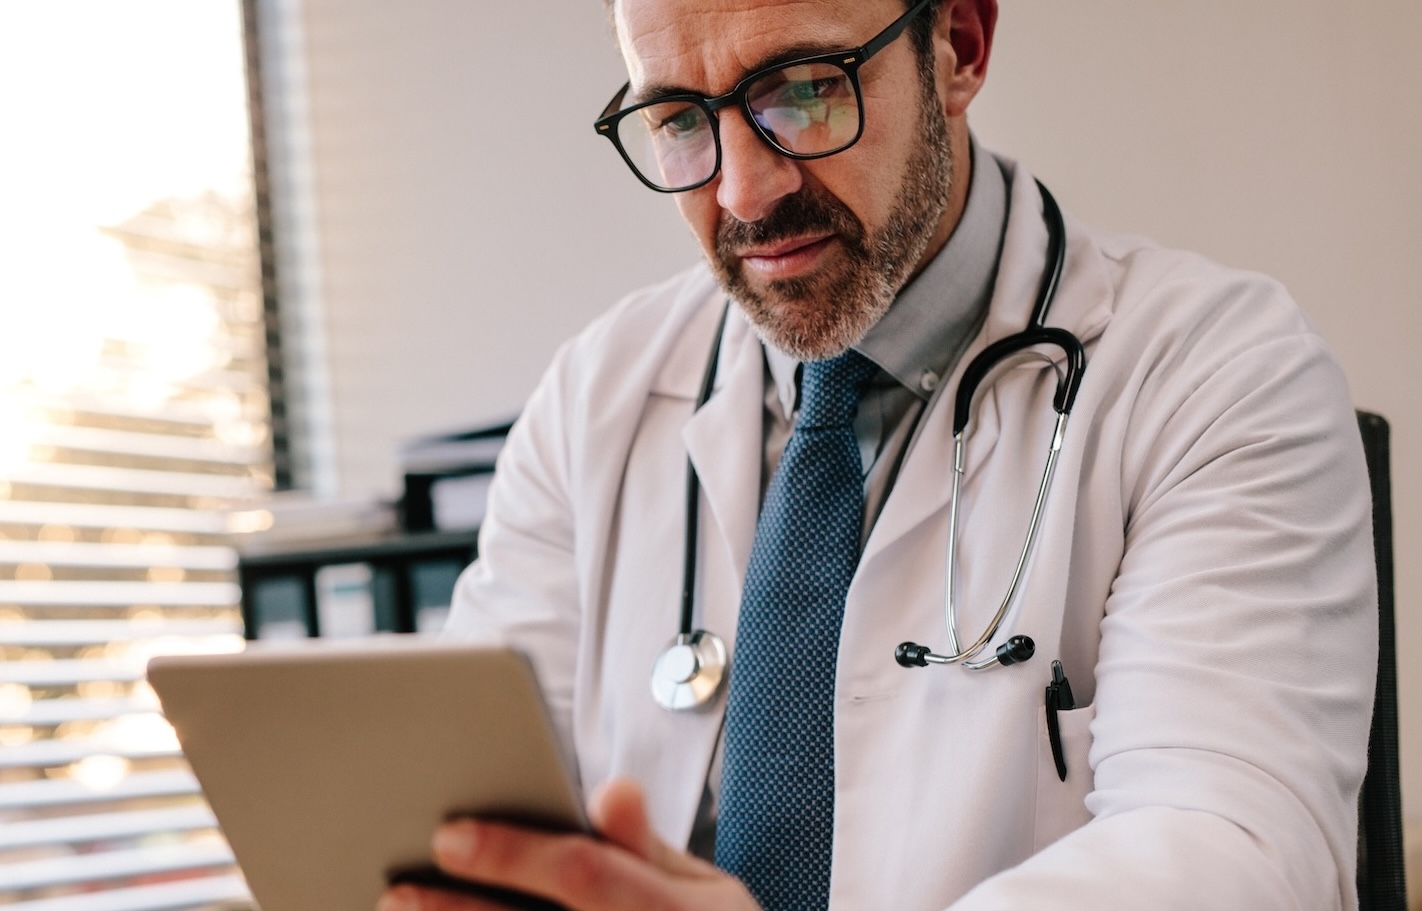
<point>689,671</point>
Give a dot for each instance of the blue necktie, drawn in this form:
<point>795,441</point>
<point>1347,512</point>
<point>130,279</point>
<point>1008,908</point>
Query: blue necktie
<point>775,822</point>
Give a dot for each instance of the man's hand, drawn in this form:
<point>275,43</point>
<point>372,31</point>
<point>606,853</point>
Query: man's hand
<point>629,868</point>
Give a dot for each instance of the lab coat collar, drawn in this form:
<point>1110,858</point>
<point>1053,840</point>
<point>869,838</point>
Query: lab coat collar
<point>1083,301</point>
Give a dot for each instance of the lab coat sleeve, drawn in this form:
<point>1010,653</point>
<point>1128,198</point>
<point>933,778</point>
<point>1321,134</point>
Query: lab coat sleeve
<point>522,590</point>
<point>543,544</point>
<point>1238,646</point>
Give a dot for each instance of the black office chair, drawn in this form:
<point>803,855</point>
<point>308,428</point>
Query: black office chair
<point>1382,884</point>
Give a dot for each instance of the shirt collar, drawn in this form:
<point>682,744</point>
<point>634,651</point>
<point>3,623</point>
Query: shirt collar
<point>932,320</point>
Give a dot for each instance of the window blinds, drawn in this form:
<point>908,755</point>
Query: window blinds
<point>133,414</point>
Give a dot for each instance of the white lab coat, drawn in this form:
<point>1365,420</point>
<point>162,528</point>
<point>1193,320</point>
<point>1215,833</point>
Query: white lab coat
<point>1204,573</point>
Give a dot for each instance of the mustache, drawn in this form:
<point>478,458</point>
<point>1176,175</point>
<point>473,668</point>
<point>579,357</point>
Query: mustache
<point>797,215</point>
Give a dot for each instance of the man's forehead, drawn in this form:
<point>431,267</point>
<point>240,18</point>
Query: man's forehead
<point>708,45</point>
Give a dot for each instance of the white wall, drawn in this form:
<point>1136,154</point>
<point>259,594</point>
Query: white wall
<point>470,218</point>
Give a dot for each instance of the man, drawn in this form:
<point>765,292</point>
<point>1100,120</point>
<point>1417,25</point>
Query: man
<point>1202,569</point>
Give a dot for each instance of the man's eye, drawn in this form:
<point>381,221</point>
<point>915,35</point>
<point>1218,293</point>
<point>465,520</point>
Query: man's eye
<point>686,121</point>
<point>800,91</point>
<point>808,90</point>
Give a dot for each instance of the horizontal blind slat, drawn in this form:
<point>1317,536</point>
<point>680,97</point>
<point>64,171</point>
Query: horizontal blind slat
<point>111,865</point>
<point>118,556</point>
<point>49,793</point>
<point>119,594</point>
<point>153,445</point>
<point>186,416</point>
<point>66,672</point>
<point>51,712</point>
<point>61,633</point>
<point>50,753</point>
<point>104,826</point>
<point>177,896</point>
<point>134,480</point>
<point>97,515</point>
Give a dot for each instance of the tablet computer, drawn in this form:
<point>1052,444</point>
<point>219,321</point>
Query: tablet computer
<point>329,765</point>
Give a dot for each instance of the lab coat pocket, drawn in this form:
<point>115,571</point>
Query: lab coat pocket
<point>1061,805</point>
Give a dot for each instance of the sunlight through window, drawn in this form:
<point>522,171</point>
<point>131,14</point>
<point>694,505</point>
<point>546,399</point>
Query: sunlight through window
<point>133,417</point>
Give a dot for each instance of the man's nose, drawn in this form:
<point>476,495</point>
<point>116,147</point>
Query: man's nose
<point>754,177</point>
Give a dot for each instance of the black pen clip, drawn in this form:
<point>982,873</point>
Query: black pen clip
<point>1059,698</point>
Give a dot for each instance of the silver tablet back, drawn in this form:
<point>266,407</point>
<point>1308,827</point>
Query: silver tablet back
<point>330,765</point>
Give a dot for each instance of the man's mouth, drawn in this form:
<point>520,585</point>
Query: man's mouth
<point>786,258</point>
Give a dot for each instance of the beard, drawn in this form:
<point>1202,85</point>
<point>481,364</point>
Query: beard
<point>821,315</point>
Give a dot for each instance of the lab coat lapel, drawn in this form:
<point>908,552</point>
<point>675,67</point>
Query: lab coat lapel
<point>723,440</point>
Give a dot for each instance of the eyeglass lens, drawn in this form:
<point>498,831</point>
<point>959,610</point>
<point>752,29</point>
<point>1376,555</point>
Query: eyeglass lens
<point>805,109</point>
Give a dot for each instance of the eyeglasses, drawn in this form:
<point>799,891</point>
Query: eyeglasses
<point>806,108</point>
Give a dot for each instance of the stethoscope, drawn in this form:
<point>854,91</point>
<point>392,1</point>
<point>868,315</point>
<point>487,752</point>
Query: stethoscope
<point>692,668</point>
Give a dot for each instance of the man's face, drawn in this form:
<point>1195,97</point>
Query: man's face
<point>813,251</point>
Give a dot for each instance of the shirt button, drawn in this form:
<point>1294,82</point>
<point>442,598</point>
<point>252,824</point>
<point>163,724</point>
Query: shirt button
<point>929,381</point>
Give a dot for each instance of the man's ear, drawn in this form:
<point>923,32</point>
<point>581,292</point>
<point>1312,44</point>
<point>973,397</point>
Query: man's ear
<point>962,44</point>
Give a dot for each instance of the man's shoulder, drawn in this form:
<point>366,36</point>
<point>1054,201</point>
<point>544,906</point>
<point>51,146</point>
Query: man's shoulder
<point>1137,290</point>
<point>1163,287</point>
<point>1183,326</point>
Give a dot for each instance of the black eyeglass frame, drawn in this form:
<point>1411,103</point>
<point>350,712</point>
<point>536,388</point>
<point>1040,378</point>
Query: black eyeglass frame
<point>849,61</point>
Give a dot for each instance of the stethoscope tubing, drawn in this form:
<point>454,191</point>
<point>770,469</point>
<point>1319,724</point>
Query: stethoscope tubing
<point>956,655</point>
<point>693,494</point>
<point>1069,382</point>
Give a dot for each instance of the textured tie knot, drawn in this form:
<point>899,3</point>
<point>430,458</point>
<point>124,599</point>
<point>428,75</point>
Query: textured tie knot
<point>829,390</point>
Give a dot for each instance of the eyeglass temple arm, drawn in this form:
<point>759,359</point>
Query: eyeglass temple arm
<point>895,29</point>
<point>612,107</point>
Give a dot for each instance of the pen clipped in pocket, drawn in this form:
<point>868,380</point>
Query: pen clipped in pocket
<point>1061,802</point>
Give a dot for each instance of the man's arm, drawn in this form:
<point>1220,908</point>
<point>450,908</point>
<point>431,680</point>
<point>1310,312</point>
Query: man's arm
<point>522,589</point>
<point>1237,650</point>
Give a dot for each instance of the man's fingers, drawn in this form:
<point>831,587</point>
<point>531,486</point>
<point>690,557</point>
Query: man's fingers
<point>619,813</point>
<point>628,867</point>
<point>574,870</point>
<point>413,898</point>
<point>580,872</point>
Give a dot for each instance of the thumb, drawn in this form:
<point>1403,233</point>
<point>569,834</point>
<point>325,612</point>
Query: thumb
<point>618,811</point>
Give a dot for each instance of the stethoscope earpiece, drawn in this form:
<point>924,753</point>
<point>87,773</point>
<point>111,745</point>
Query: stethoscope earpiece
<point>911,654</point>
<point>1014,651</point>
